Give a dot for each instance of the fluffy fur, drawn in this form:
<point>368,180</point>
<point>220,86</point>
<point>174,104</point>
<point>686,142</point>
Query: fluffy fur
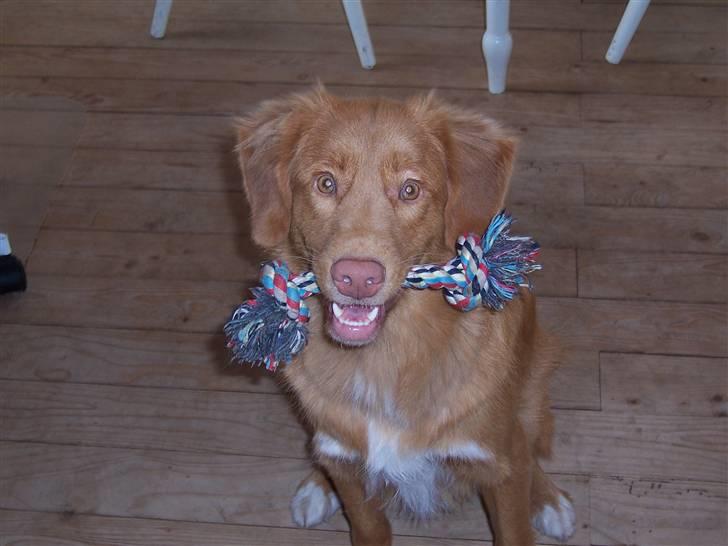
<point>439,402</point>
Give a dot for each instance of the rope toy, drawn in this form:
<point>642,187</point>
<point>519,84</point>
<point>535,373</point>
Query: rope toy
<point>271,328</point>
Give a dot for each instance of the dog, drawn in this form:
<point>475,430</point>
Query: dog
<point>412,403</point>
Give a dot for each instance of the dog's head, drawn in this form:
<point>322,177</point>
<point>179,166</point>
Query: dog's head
<point>361,190</point>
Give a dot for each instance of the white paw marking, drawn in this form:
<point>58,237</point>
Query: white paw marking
<point>311,505</point>
<point>326,445</point>
<point>557,522</point>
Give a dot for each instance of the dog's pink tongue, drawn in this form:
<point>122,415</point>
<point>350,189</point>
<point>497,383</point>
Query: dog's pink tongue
<point>355,312</point>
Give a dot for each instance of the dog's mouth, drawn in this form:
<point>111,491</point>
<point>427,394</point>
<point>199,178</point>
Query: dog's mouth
<point>352,324</point>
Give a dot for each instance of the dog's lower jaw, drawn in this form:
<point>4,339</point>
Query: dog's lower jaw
<point>354,325</point>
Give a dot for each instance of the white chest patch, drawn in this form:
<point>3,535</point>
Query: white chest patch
<point>416,477</point>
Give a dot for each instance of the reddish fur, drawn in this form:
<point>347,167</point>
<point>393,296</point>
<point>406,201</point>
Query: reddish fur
<point>454,376</point>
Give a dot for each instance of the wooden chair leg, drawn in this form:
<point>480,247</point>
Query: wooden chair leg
<point>360,32</point>
<point>497,43</point>
<point>162,9</point>
<point>625,31</point>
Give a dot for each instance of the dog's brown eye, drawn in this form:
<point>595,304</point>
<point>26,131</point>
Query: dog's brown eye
<point>410,191</point>
<point>326,184</point>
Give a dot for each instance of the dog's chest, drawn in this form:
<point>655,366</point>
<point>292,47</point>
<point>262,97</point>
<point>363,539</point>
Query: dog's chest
<point>416,476</point>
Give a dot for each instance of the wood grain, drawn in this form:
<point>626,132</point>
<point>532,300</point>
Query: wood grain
<point>645,446</point>
<point>656,186</point>
<point>195,487</point>
<point>468,13</point>
<point>561,74</point>
<point>637,326</point>
<point>146,358</point>
<point>193,361</point>
<point>640,275</point>
<point>639,383</point>
<point>657,513</point>
<point>22,528</point>
<point>230,97</point>
<point>660,47</point>
<point>262,425</point>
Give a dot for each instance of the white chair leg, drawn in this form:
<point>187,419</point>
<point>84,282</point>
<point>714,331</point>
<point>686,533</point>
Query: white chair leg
<point>497,43</point>
<point>360,32</point>
<point>626,29</point>
<point>162,8</point>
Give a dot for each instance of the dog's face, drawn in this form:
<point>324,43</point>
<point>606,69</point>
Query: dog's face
<point>362,190</point>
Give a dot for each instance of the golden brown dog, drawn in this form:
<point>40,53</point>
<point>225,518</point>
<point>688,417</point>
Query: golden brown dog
<point>412,402</point>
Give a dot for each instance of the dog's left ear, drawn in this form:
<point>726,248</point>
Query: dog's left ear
<point>480,154</point>
<point>267,140</point>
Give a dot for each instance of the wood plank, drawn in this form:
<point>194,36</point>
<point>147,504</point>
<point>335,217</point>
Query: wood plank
<point>241,35</point>
<point>151,418</point>
<point>613,143</point>
<point>627,185</point>
<point>192,361</point>
<point>652,111</point>
<point>662,47</point>
<point>180,486</point>
<point>262,425</point>
<point>640,275</point>
<point>644,446</point>
<point>34,166</point>
<point>463,71</point>
<point>148,210</point>
<point>23,205</point>
<point>664,385</point>
<point>635,229</point>
<point>657,513</point>
<point>601,228</point>
<point>204,256</point>
<point>533,181</point>
<point>192,306</point>
<point>104,95</point>
<point>547,14</point>
<point>44,529</point>
<point>637,326</point>
<point>189,306</point>
<point>40,127</point>
<point>145,358</point>
<point>174,256</point>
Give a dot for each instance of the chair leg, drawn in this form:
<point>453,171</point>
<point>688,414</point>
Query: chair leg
<point>360,32</point>
<point>497,43</point>
<point>626,29</point>
<point>162,8</point>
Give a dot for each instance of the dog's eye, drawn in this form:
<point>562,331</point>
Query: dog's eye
<point>410,190</point>
<point>326,184</point>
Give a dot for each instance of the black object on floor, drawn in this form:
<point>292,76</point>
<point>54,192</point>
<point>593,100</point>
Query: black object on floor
<point>12,273</point>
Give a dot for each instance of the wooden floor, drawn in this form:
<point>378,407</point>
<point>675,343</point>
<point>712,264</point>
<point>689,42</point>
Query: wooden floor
<point>119,423</point>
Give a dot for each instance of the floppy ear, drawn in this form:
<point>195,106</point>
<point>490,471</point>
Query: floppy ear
<point>480,156</point>
<point>267,140</point>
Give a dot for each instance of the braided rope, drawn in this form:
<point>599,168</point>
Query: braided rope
<point>487,270</point>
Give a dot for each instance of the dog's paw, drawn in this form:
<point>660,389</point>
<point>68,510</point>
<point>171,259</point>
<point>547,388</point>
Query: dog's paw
<point>312,504</point>
<point>556,521</point>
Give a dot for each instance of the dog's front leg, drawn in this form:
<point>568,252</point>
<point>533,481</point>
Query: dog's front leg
<point>508,502</point>
<point>369,523</point>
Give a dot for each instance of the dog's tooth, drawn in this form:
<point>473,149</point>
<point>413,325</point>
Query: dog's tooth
<point>338,311</point>
<point>371,315</point>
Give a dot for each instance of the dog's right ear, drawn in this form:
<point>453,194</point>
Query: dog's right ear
<point>267,140</point>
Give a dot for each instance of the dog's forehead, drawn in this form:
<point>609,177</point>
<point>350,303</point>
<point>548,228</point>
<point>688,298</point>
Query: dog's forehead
<point>372,131</point>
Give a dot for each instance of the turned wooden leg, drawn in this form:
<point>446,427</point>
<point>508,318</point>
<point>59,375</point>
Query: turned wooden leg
<point>497,43</point>
<point>625,31</point>
<point>360,32</point>
<point>162,9</point>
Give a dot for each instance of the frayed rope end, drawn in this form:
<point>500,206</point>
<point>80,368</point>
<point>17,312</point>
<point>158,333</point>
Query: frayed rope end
<point>260,332</point>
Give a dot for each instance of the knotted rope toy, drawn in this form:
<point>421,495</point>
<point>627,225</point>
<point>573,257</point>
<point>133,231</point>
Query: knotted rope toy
<point>270,328</point>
